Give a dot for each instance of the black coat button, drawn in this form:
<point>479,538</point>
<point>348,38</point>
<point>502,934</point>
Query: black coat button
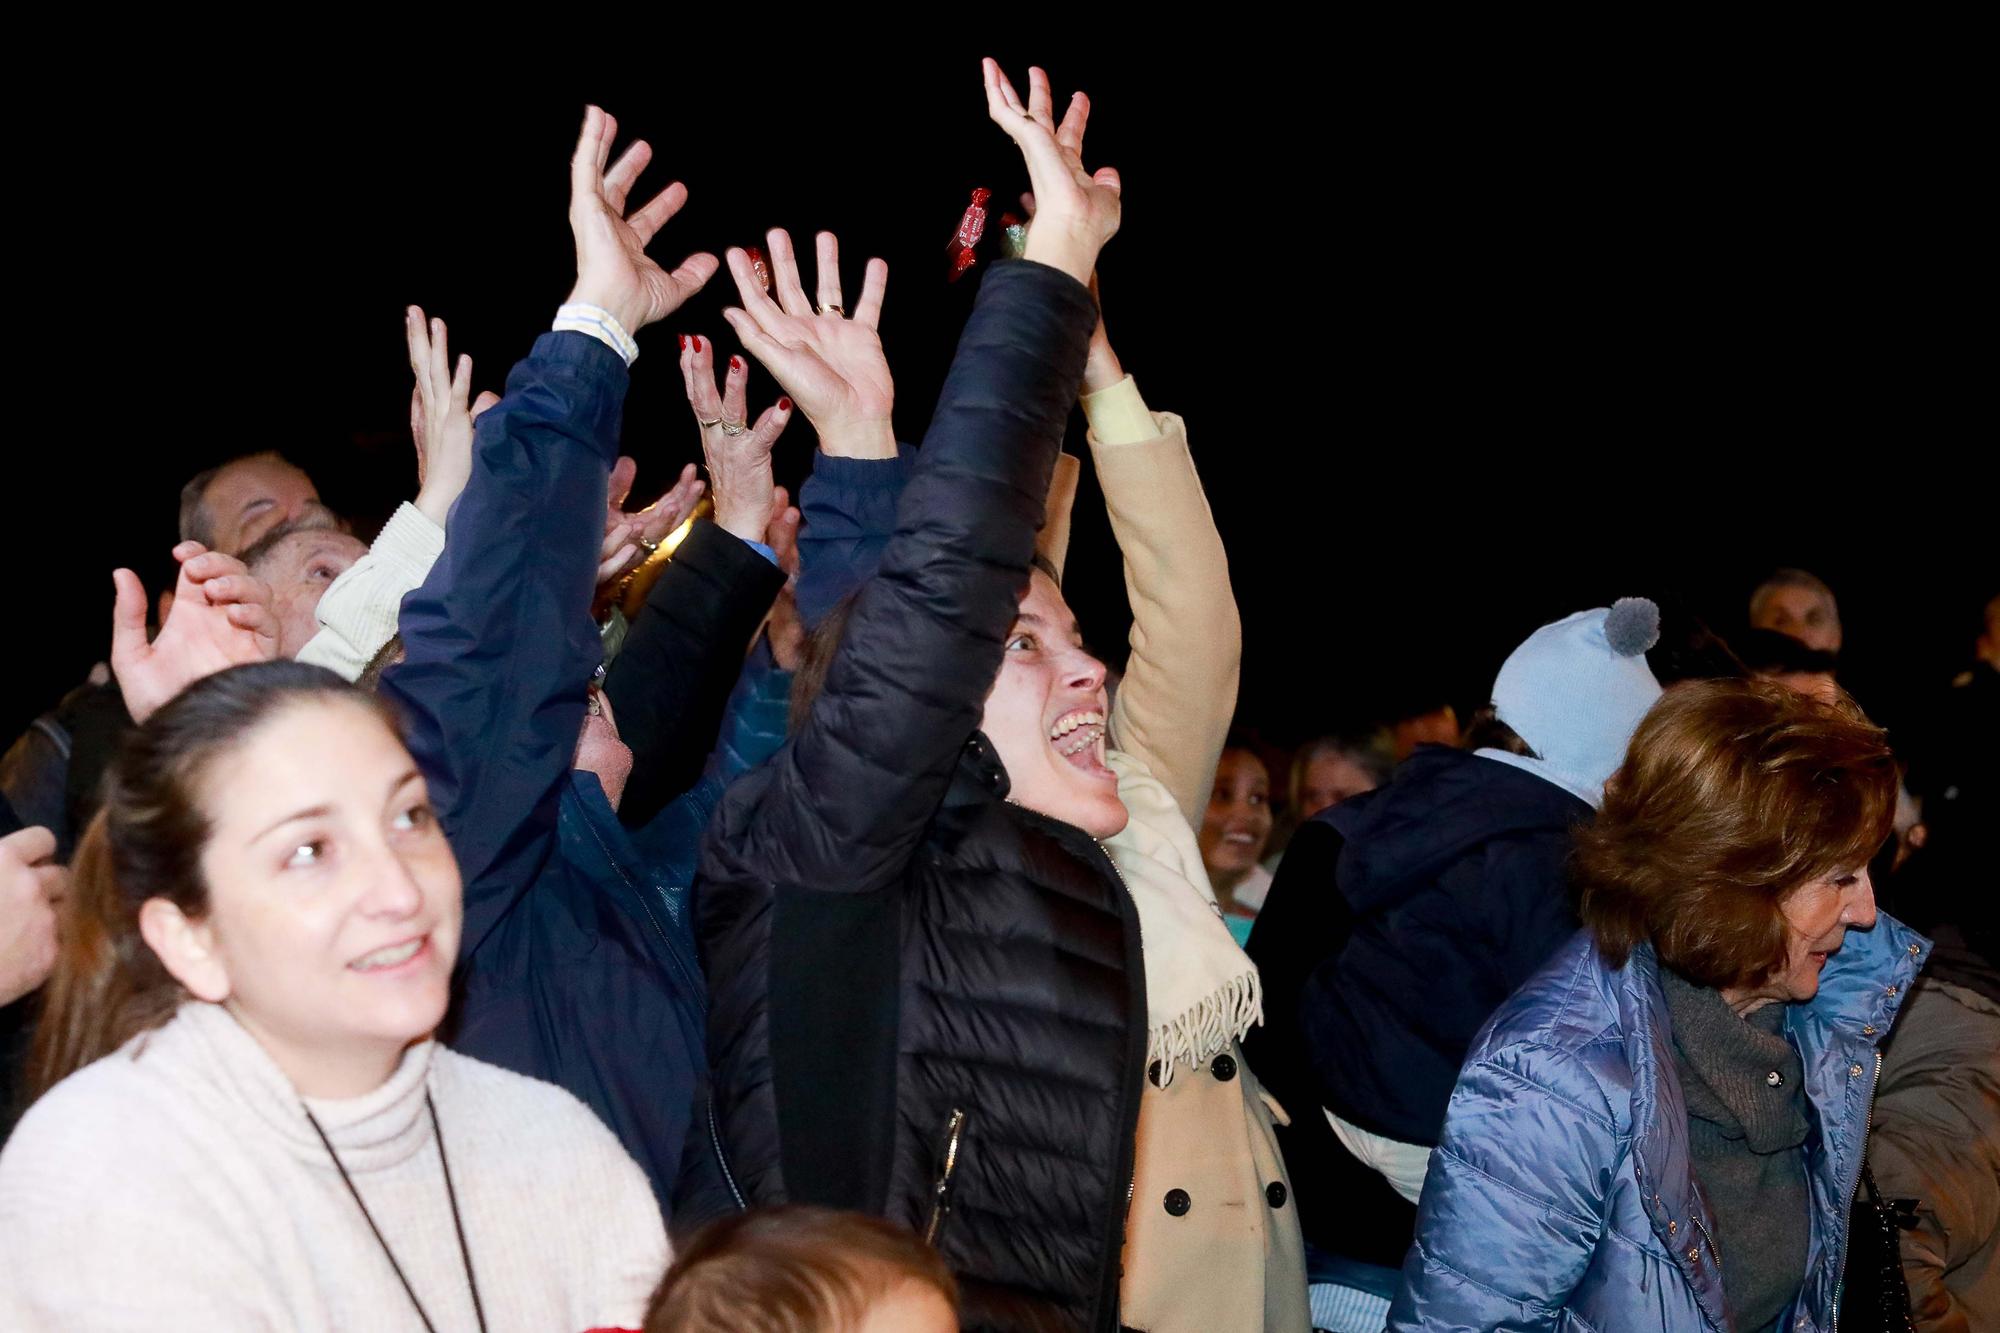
<point>1224,1067</point>
<point>1275,1192</point>
<point>1178,1203</point>
<point>1153,1073</point>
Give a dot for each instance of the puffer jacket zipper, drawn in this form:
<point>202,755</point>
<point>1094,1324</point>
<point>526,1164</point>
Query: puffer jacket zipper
<point>722,1158</point>
<point>954,1132</point>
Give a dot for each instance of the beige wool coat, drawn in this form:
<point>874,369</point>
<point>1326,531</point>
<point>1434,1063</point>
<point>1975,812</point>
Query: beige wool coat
<point>1212,1238</point>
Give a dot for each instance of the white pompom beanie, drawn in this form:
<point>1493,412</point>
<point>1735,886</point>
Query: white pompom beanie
<point>1575,692</point>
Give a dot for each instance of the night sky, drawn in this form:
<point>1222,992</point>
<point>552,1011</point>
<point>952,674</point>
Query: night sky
<point>1461,347</point>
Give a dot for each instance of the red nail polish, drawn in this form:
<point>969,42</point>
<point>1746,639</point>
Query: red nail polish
<point>684,340</point>
<point>784,404</point>
<point>736,363</point>
<point>696,340</point>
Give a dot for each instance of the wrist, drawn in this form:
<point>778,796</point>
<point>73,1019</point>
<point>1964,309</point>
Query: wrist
<point>872,437</point>
<point>747,521</point>
<point>1061,248</point>
<point>1101,368</point>
<point>631,316</point>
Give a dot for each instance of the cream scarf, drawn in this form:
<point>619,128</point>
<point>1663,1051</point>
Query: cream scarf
<point>1202,991</point>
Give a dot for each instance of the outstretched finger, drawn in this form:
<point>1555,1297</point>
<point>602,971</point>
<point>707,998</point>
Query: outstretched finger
<point>1070,133</point>
<point>1001,97</point>
<point>769,426</point>
<point>593,144</point>
<point>758,343</point>
<point>646,223</point>
<point>461,383</point>
<point>874,285</point>
<point>698,373</point>
<point>225,589</point>
<point>785,274</point>
<point>692,275</point>
<point>623,472</point>
<point>736,391</point>
<point>827,265</point>
<point>439,367</point>
<point>1041,103</point>
<point>486,401</point>
<point>416,332</point>
<point>668,512</point>
<point>624,173</point>
<point>128,619</point>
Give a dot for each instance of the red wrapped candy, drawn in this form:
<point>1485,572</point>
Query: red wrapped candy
<point>759,266</point>
<point>960,249</point>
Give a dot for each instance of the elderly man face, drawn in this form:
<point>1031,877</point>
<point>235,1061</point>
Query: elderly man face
<point>1807,614</point>
<point>299,565</point>
<point>250,497</point>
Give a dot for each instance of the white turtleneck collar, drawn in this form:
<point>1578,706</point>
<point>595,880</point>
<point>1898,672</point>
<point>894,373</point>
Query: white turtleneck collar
<point>376,1130</point>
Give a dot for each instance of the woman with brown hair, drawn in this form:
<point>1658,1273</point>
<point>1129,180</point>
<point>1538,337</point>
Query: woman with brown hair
<point>1691,1076</point>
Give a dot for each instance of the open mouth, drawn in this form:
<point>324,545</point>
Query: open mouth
<point>1078,736</point>
<point>392,956</point>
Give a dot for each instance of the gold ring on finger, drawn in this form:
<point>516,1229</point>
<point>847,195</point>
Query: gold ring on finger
<point>704,423</point>
<point>733,427</point>
<point>832,308</point>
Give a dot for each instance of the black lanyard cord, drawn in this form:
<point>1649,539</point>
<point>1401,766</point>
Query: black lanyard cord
<point>458,1223</point>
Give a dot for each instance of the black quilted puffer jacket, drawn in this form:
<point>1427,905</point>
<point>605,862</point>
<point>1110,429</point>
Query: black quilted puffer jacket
<point>925,1002</point>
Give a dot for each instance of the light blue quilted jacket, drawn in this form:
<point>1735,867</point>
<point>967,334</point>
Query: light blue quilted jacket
<point>1562,1196</point>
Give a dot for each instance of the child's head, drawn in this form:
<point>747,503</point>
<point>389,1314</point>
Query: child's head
<point>805,1270</point>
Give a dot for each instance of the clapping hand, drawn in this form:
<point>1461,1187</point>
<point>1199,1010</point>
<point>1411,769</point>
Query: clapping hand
<point>1078,210</point>
<point>738,452</point>
<point>221,617</point>
<point>612,270</point>
<point>831,365</point>
<point>30,886</point>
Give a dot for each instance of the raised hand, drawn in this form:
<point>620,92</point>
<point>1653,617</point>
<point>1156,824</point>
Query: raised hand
<point>738,452</point>
<point>1078,209</point>
<point>612,270</point>
<point>30,886</point>
<point>631,536</point>
<point>440,416</point>
<point>831,365</point>
<point>221,617</point>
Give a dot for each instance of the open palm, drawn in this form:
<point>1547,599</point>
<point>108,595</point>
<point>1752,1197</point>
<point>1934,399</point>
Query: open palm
<point>612,268</point>
<point>831,366</point>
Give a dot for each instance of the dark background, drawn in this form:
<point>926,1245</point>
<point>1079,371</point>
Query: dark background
<point>1466,338</point>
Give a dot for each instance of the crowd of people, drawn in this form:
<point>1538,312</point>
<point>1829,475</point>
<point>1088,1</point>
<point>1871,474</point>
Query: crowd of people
<point>734,914</point>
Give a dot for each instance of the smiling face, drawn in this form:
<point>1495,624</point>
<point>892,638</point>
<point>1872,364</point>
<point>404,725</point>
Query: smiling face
<point>1238,821</point>
<point>333,898</point>
<point>299,567</point>
<point>1046,717</point>
<point>1818,916</point>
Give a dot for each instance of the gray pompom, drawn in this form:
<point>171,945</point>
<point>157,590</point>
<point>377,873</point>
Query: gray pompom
<point>1632,625</point>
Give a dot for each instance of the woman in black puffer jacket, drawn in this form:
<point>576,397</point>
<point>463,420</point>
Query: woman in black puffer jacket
<point>927,999</point>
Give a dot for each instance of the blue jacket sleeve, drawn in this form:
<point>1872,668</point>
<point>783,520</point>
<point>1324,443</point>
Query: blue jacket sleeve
<point>1514,1202</point>
<point>850,794</point>
<point>754,722</point>
<point>498,643</point>
<point>847,512</point>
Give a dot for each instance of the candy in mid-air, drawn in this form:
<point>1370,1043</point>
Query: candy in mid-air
<point>960,249</point>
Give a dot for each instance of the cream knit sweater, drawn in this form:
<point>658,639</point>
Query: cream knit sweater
<point>177,1185</point>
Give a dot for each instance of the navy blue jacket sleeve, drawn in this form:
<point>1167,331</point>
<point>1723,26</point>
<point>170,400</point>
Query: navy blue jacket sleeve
<point>847,511</point>
<point>673,677</point>
<point>853,790</point>
<point>498,643</point>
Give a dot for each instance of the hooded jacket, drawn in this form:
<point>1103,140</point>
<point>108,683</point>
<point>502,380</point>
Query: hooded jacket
<point>1454,885</point>
<point>1562,1194</point>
